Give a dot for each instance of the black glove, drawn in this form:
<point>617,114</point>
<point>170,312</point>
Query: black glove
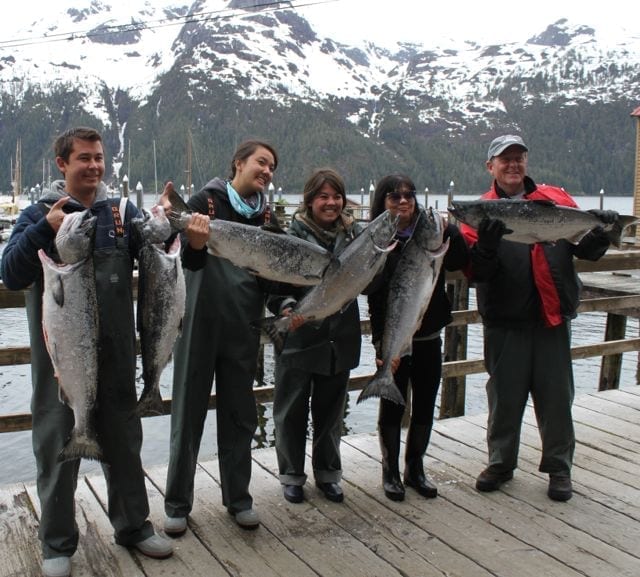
<point>606,216</point>
<point>490,231</point>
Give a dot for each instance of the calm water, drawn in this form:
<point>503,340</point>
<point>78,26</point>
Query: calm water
<point>15,381</point>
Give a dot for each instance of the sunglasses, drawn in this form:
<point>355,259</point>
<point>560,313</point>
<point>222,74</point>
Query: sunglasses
<point>398,196</point>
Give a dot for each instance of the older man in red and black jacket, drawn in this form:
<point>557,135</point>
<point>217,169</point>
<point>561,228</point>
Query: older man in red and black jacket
<point>527,295</point>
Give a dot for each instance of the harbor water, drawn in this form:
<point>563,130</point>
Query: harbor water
<point>15,381</point>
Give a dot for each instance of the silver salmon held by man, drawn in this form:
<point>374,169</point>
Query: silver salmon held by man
<point>531,221</point>
<point>410,290</point>
<point>346,277</point>
<point>262,250</point>
<point>70,324</point>
<point>161,304</point>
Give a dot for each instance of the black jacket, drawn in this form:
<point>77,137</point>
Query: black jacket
<point>438,313</point>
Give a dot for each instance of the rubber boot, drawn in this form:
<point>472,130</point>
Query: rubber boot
<point>414,477</point>
<point>390,451</point>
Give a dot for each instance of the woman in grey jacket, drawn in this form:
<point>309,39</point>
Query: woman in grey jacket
<point>317,357</point>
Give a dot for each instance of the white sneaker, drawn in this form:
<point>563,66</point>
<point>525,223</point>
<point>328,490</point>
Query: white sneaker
<point>56,567</point>
<point>155,546</point>
<point>175,526</point>
<point>247,519</point>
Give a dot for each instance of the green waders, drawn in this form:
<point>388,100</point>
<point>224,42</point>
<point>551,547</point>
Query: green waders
<point>216,341</point>
<point>119,430</point>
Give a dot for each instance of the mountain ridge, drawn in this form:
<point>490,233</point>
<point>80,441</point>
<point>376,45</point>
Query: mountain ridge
<point>236,70</point>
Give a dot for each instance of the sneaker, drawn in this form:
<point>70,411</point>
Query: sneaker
<point>247,519</point>
<point>156,547</point>
<point>175,526</point>
<point>491,480</point>
<point>560,488</point>
<point>56,567</point>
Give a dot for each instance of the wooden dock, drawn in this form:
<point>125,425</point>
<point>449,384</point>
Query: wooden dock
<point>515,532</point>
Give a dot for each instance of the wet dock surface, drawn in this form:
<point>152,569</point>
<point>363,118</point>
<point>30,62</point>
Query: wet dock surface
<point>515,532</point>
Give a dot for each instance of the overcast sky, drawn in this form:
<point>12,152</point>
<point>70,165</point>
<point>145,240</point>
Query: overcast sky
<point>386,21</point>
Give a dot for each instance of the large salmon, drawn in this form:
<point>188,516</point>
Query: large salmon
<point>531,221</point>
<point>70,325</point>
<point>161,304</point>
<point>345,278</point>
<point>410,290</point>
<point>264,251</point>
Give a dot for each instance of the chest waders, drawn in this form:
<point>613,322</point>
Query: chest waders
<point>119,430</point>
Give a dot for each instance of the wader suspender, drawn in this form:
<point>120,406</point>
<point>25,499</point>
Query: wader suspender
<point>118,221</point>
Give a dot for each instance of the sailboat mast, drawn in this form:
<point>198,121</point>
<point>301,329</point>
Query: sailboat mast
<point>17,172</point>
<point>188,170</point>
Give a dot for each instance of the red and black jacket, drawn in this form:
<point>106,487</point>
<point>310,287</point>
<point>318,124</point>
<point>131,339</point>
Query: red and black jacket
<point>535,284</point>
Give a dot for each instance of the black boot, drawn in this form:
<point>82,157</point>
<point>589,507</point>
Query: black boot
<point>390,451</point>
<point>414,477</point>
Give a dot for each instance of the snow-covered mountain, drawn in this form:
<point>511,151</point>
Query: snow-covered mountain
<point>275,55</point>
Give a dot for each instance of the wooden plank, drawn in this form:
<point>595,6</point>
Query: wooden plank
<point>10,299</point>
<point>606,406</point>
<point>97,552</point>
<point>243,553</point>
<point>606,521</point>
<point>174,565</point>
<point>593,484</point>
<point>624,397</point>
<point>390,534</point>
<point>15,356</point>
<point>195,557</point>
<point>308,533</point>
<point>536,523</point>
<point>20,551</point>
<point>486,538</point>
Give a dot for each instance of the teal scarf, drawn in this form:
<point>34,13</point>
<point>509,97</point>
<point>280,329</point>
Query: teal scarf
<point>241,206</point>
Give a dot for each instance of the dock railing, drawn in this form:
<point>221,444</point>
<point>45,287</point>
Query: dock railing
<point>617,304</point>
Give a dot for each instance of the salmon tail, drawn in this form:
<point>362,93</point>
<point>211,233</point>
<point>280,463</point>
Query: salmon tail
<point>382,385</point>
<point>615,233</point>
<point>269,327</point>
<point>81,446</point>
<point>150,403</point>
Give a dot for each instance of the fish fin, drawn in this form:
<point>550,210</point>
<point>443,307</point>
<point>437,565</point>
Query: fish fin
<point>62,396</point>
<point>269,327</point>
<point>382,385</point>
<point>543,202</point>
<point>81,446</point>
<point>273,227</point>
<point>177,202</point>
<point>617,228</point>
<point>57,291</point>
<point>150,403</point>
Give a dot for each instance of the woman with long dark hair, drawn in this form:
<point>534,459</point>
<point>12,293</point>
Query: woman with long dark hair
<point>423,367</point>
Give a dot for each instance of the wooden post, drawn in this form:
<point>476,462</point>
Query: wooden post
<point>611,364</point>
<point>453,392</point>
<point>636,188</point>
<point>260,367</point>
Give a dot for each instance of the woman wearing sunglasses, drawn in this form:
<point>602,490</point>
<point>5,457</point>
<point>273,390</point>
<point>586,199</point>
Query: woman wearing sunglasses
<point>423,367</point>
